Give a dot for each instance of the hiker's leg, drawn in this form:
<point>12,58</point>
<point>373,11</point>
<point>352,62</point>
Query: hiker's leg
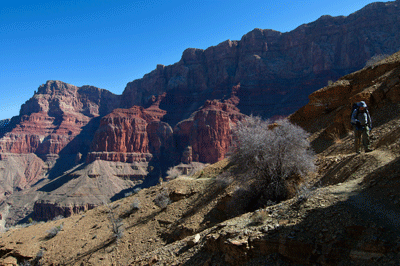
<point>366,141</point>
<point>357,140</point>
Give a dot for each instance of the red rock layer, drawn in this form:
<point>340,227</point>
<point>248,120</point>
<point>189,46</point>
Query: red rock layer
<point>208,132</point>
<point>277,71</point>
<point>125,134</point>
<point>54,116</point>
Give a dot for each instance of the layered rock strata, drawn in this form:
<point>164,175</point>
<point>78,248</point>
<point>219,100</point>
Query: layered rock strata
<point>55,116</point>
<point>276,71</point>
<point>128,135</point>
<point>330,107</point>
<point>207,135</point>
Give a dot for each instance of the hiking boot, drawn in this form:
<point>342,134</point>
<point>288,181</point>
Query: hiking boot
<point>368,150</point>
<point>358,152</point>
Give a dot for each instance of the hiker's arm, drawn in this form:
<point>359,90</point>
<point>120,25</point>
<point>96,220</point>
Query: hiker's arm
<point>354,120</point>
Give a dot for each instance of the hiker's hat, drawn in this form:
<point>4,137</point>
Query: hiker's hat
<point>362,104</point>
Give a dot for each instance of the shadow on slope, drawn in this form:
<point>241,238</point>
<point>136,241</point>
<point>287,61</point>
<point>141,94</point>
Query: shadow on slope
<point>80,144</point>
<point>360,226</point>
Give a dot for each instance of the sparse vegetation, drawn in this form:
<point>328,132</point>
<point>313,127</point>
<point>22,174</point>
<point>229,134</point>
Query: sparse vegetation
<point>184,169</point>
<point>117,226</point>
<point>335,136</point>
<point>136,190</point>
<point>304,192</point>
<point>273,156</point>
<point>54,231</point>
<point>58,217</point>
<point>135,204</point>
<point>162,200</point>
<point>174,172</point>
<point>375,59</point>
<point>259,217</point>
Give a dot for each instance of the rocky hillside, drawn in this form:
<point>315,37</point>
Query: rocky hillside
<point>183,112</point>
<point>348,216</point>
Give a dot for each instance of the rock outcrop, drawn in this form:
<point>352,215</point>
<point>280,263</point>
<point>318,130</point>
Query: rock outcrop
<point>276,71</point>
<point>55,116</point>
<point>207,135</point>
<point>84,188</point>
<point>125,134</point>
<point>330,107</point>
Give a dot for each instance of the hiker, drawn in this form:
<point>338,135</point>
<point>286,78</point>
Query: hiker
<point>361,120</point>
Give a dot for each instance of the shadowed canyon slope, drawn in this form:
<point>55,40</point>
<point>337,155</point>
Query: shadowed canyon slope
<point>180,113</point>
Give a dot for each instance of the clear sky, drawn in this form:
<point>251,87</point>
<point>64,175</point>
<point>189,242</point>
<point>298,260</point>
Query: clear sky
<point>108,43</point>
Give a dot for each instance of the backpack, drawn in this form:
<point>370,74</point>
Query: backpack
<point>353,107</point>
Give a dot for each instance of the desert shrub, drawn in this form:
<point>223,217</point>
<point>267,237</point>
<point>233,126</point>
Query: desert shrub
<point>135,204</point>
<point>128,194</point>
<point>136,190</point>
<point>375,59</point>
<point>162,200</point>
<point>184,169</point>
<point>58,217</point>
<point>174,172</point>
<point>259,217</point>
<point>117,226</point>
<point>52,232</point>
<point>271,155</point>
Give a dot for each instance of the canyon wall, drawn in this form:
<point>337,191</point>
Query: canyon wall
<point>276,71</point>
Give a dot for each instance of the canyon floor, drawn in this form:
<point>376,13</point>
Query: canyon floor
<point>348,216</point>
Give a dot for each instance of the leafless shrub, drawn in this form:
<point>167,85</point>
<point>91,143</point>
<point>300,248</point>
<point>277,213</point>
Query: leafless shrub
<point>304,192</point>
<point>184,169</point>
<point>128,194</point>
<point>58,217</point>
<point>136,190</point>
<point>335,136</point>
<point>52,232</point>
<point>271,154</point>
<point>376,59</point>
<point>259,217</point>
<point>117,226</point>
<point>135,204</point>
<point>162,200</point>
<point>174,172</point>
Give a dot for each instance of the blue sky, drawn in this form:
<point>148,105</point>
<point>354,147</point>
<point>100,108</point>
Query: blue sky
<point>108,43</point>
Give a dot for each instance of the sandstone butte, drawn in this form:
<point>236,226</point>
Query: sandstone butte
<point>185,111</point>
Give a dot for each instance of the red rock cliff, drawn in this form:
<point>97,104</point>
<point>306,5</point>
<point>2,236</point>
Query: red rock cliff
<point>208,132</point>
<point>277,71</point>
<point>54,116</point>
<point>125,134</point>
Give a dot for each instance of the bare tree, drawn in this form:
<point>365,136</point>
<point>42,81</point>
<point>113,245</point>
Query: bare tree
<point>272,153</point>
